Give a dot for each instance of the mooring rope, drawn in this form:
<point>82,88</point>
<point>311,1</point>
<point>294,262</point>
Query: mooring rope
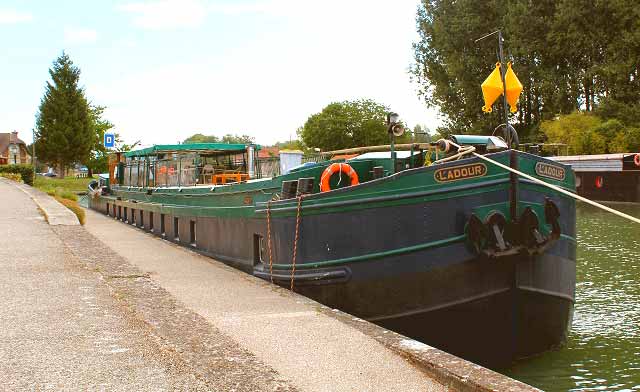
<point>295,241</point>
<point>269,239</point>
<point>551,186</point>
<point>462,151</point>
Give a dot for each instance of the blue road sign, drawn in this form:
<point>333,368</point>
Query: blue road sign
<point>109,140</point>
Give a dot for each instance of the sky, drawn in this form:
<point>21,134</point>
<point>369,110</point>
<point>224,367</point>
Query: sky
<point>166,69</point>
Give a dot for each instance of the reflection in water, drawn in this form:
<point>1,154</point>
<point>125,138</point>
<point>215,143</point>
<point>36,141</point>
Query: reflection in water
<point>603,349</point>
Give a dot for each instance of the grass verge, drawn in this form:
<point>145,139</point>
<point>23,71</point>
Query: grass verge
<point>73,206</point>
<point>65,191</point>
<point>66,187</point>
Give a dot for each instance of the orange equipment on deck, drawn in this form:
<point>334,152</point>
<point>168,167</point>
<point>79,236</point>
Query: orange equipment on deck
<point>227,178</point>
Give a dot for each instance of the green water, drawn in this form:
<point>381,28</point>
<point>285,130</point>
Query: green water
<point>603,349</point>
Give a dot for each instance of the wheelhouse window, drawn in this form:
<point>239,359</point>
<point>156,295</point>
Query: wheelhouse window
<point>187,165</point>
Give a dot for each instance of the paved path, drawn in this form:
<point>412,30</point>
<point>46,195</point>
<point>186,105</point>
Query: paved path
<point>54,212</point>
<point>313,350</point>
<point>66,323</point>
<point>154,316</point>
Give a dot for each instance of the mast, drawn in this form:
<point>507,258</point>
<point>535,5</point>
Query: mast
<point>503,72</point>
<point>513,158</point>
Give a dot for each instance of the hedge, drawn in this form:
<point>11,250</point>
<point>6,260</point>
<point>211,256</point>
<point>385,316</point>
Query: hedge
<point>12,176</point>
<point>26,171</point>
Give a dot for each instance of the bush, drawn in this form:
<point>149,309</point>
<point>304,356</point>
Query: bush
<point>584,133</point>
<point>12,176</point>
<point>25,171</point>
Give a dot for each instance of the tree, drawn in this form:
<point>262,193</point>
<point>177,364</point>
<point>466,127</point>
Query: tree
<point>228,138</point>
<point>421,134</point>
<point>346,124</point>
<point>98,158</point>
<point>123,147</point>
<point>98,162</point>
<point>587,133</point>
<point>627,113</point>
<point>568,54</point>
<point>238,139</point>
<point>201,138</point>
<point>294,144</point>
<point>627,140</point>
<point>578,131</point>
<point>64,134</point>
<point>622,124</point>
<point>449,66</point>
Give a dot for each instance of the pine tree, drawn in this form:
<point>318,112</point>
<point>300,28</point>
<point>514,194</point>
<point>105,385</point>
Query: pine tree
<point>64,133</point>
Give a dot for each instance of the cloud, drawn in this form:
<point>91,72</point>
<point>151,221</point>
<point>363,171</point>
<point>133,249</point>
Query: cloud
<point>167,14</point>
<point>8,16</point>
<point>79,36</point>
<point>267,82</point>
<point>331,9</point>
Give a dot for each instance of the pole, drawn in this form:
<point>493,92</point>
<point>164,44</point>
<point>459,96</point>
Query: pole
<point>393,153</point>
<point>503,72</point>
<point>33,152</point>
<point>513,158</point>
<point>413,140</point>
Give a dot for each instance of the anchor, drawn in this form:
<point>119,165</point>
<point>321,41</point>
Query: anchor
<point>499,237</point>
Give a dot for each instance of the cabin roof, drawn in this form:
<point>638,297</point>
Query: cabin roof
<point>189,147</point>
<point>384,155</point>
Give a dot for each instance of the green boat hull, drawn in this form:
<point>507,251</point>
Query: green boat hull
<point>404,251</point>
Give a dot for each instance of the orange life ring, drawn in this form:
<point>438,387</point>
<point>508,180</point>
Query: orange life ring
<point>599,182</point>
<point>636,159</point>
<point>335,168</point>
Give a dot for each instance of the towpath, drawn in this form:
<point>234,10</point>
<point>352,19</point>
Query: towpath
<point>78,315</point>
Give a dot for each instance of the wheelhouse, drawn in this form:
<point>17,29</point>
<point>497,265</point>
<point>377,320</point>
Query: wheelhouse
<point>186,165</point>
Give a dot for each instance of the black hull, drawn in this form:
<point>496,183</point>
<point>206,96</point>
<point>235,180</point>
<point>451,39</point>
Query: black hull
<point>489,311</point>
<point>493,331</point>
<point>621,186</point>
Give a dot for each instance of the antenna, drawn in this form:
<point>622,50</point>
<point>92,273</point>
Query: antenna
<point>486,36</point>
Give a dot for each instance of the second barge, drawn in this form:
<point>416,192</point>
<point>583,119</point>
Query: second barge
<point>606,177</point>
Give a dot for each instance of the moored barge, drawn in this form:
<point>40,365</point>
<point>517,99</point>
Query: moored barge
<point>459,253</point>
<point>606,177</point>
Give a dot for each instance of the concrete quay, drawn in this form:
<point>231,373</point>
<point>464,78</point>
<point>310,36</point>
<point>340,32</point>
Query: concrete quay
<point>111,307</point>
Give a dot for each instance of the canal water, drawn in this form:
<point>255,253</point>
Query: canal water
<point>603,348</point>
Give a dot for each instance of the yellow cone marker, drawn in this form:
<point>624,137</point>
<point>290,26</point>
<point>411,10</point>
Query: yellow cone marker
<point>514,88</point>
<point>492,89</point>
